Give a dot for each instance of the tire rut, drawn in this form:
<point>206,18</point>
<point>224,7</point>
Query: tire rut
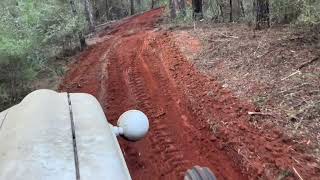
<point>138,76</point>
<point>128,72</point>
<point>161,139</point>
<point>137,67</point>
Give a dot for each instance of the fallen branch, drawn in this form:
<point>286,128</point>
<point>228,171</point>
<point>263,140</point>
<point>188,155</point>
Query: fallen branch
<point>260,113</point>
<point>307,63</point>
<point>228,36</point>
<point>294,169</point>
<point>160,114</point>
<point>296,72</point>
<point>300,67</point>
<point>296,160</point>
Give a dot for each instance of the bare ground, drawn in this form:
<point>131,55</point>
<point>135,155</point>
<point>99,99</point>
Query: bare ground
<point>278,70</point>
<point>194,88</point>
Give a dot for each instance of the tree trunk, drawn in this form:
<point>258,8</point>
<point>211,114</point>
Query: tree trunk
<point>107,9</point>
<point>231,17</point>
<point>262,14</point>
<point>172,9</point>
<point>182,5</point>
<point>221,11</point>
<point>96,12</point>
<point>73,7</point>
<point>152,4</point>
<point>139,4</point>
<point>82,39</point>
<point>197,9</point>
<point>89,14</point>
<point>236,10</point>
<point>243,13</point>
<point>131,7</point>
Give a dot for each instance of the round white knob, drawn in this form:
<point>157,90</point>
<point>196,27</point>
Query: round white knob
<point>134,123</point>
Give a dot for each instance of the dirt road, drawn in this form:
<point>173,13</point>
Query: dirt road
<point>193,120</point>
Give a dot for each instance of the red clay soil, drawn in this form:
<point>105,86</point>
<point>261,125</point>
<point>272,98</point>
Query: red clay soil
<point>193,119</point>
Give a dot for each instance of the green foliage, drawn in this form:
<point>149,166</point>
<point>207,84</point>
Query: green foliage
<point>119,9</point>
<point>291,11</point>
<point>310,12</point>
<point>184,18</point>
<point>281,11</point>
<point>142,5</point>
<point>31,33</point>
<point>161,3</point>
<point>249,14</point>
<point>285,11</point>
<point>211,9</point>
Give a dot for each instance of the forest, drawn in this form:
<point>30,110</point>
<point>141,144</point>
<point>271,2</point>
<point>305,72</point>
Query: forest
<point>37,35</point>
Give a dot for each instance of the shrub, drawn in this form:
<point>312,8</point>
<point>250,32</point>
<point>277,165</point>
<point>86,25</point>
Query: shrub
<point>32,32</point>
<point>310,12</point>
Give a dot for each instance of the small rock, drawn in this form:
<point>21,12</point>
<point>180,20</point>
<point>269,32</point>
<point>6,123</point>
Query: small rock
<point>269,139</point>
<point>213,138</point>
<point>268,147</point>
<point>242,127</point>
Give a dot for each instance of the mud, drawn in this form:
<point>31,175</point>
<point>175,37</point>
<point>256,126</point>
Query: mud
<point>193,119</point>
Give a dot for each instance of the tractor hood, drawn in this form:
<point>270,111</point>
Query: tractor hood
<point>59,136</point>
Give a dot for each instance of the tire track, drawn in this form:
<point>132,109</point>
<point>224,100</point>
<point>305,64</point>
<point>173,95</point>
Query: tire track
<point>103,76</point>
<point>161,140</point>
<point>128,73</point>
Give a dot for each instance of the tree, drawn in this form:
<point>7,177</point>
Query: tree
<point>173,12</point>
<point>89,15</point>
<point>262,14</point>
<point>139,4</point>
<point>231,17</point>
<point>96,10</point>
<point>236,10</point>
<point>220,4</point>
<point>82,39</point>
<point>242,11</point>
<point>30,37</point>
<point>107,9</point>
<point>182,7</point>
<point>132,7</point>
<point>197,9</point>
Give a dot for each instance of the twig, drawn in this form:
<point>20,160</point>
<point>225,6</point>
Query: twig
<point>300,67</point>
<point>160,114</point>
<point>260,113</point>
<point>259,44</point>
<point>307,63</point>
<point>296,160</point>
<point>295,87</point>
<point>307,107</point>
<point>245,157</point>
<point>294,169</point>
<point>228,36</point>
<point>296,72</point>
